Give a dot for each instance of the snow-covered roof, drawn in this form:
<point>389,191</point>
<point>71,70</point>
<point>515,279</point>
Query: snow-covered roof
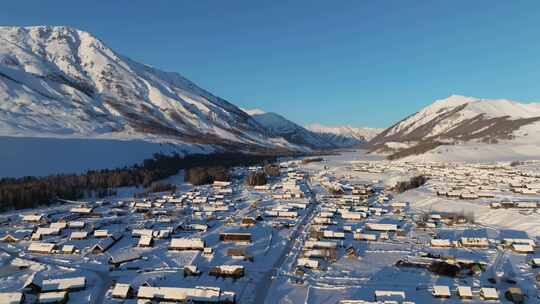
<point>441,291</point>
<point>63,284</point>
<point>187,243</point>
<point>489,293</point>
<point>121,290</point>
<point>11,297</point>
<point>52,297</point>
<point>202,294</point>
<point>464,291</point>
<point>41,247</point>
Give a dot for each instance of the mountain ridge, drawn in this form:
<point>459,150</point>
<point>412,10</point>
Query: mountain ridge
<point>60,81</point>
<point>459,120</point>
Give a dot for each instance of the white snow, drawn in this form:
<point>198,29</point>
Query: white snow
<point>359,133</point>
<point>57,81</point>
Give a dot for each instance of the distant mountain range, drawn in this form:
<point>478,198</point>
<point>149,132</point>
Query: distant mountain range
<point>314,136</point>
<point>339,133</point>
<point>464,121</point>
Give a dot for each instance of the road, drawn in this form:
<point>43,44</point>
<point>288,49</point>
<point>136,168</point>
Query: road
<point>263,287</point>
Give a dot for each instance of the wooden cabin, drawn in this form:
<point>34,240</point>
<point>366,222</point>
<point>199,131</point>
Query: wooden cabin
<point>227,271</point>
<point>122,291</point>
<point>186,244</point>
<point>235,237</point>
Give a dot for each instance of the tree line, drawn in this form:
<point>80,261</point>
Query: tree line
<point>31,191</point>
<point>413,182</point>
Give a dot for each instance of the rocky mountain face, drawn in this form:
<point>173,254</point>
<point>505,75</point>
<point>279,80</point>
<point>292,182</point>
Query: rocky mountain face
<point>345,135</point>
<point>278,126</point>
<point>459,120</point>
<point>63,82</point>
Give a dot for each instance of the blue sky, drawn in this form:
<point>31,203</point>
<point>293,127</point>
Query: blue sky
<point>336,62</point>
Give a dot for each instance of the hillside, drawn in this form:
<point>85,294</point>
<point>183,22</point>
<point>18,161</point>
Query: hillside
<point>279,126</point>
<point>63,82</point>
<point>460,120</point>
<point>346,135</point>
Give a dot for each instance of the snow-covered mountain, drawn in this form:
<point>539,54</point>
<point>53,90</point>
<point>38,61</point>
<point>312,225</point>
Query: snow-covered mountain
<point>461,120</point>
<point>345,134</point>
<point>279,126</point>
<point>63,82</point>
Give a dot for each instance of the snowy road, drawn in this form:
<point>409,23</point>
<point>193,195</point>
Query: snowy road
<point>264,285</point>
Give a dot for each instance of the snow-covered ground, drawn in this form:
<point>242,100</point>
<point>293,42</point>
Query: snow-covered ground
<point>352,270</point>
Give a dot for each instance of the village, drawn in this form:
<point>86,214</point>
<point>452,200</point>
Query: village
<point>338,229</point>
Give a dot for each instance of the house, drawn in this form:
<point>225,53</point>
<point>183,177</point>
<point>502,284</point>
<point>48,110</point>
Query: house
<point>535,262</point>
<point>47,231</point>
<point>78,235</point>
<point>230,271</point>
<point>221,184</point>
<point>8,238</point>
<point>440,243</point>
<point>65,284</point>
<point>103,245</point>
<point>199,294</point>
<point>324,253</point>
<point>474,242</point>
<point>239,253</point>
<point>186,244</point>
<point>526,205</point>
<point>323,220</point>
<point>194,227</point>
<point>353,216</point>
<point>248,222</point>
<point>468,196</point>
<point>142,232</point>
<point>208,251</point>
<point>464,292</point>
<point>76,224</point>
<point>351,252</point>
<point>235,237</point>
<point>68,249</point>
<point>122,291</point>
<point>33,218</point>
<point>381,227</point>
<point>145,241</point>
<point>441,291</point>
<point>388,295</point>
<point>509,242</point>
<point>123,257</point>
<point>101,233</point>
<point>58,225</point>
<point>11,297</point>
<point>522,248</point>
<point>320,245</point>
<point>191,270</point>
<point>333,234</point>
<point>43,248</point>
<point>308,263</point>
<point>488,294</point>
<point>364,236</point>
<point>57,297</point>
<point>82,210</point>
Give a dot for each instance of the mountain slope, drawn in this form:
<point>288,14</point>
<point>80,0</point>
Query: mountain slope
<point>278,126</point>
<point>63,82</point>
<point>346,135</point>
<point>460,120</point>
